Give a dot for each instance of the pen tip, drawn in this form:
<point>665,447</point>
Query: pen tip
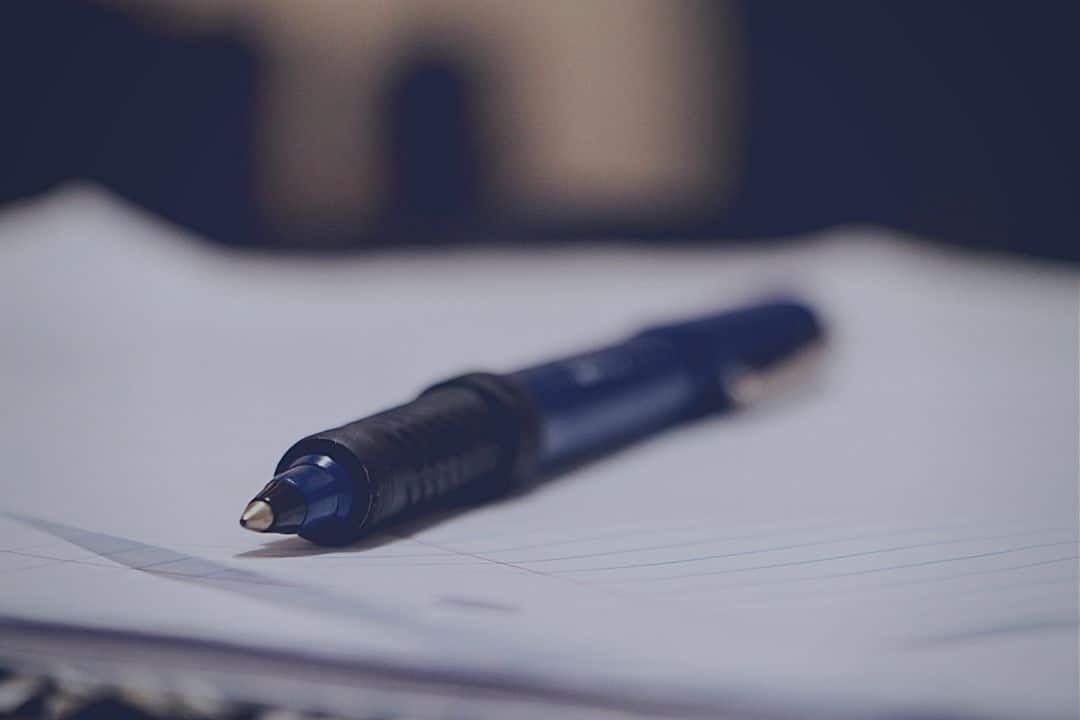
<point>257,516</point>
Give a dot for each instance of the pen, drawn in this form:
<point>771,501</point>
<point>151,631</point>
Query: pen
<point>480,435</point>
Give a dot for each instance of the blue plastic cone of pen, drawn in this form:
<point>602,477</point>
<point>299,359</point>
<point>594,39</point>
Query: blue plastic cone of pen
<point>480,435</point>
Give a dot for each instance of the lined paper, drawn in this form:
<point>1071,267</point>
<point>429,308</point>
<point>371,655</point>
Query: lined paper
<point>900,535</point>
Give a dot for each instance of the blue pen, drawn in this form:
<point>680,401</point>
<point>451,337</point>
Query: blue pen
<point>480,435</point>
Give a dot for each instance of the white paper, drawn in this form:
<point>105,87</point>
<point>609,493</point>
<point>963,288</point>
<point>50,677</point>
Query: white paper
<point>898,534</point>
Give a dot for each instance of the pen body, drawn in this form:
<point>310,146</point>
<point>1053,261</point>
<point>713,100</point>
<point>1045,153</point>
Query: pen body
<point>591,402</point>
<point>467,439</point>
<point>479,435</point>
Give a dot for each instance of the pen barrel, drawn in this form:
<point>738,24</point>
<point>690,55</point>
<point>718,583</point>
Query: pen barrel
<point>598,400</point>
<point>478,435</point>
<point>464,440</point>
<point>592,402</point>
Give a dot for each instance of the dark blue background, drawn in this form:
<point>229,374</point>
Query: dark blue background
<point>955,120</point>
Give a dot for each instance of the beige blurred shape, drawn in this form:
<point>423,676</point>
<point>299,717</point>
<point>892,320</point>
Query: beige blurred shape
<point>591,106</point>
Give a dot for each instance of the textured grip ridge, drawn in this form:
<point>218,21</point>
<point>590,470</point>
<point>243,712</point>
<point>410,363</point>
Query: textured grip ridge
<point>466,439</point>
<point>436,444</point>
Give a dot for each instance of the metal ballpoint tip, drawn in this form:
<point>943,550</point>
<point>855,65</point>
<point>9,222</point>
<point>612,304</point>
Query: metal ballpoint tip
<point>257,516</point>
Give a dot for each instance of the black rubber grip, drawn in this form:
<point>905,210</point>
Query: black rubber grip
<point>463,440</point>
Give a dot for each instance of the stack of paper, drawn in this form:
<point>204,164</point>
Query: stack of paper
<point>898,536</point>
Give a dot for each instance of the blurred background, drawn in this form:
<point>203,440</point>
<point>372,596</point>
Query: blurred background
<point>342,125</point>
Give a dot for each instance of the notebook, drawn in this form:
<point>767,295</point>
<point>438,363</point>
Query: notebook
<point>897,535</point>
